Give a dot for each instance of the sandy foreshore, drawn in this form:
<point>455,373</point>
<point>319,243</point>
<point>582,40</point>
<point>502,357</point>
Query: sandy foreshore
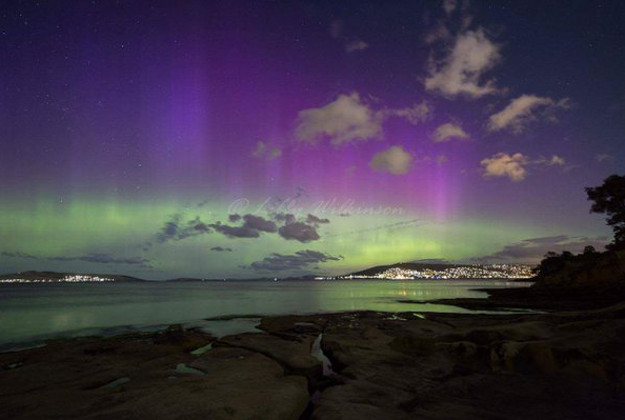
<point>554,365</point>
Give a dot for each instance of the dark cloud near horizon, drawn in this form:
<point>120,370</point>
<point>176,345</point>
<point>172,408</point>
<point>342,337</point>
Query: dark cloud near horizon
<point>176,229</point>
<point>314,220</point>
<point>221,249</point>
<point>259,223</point>
<point>284,217</point>
<point>292,229</point>
<point>303,231</point>
<point>534,249</point>
<point>98,258</point>
<point>299,260</point>
<point>235,231</point>
<point>299,231</point>
<point>252,226</point>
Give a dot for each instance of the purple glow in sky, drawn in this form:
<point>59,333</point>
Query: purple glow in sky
<point>129,130</point>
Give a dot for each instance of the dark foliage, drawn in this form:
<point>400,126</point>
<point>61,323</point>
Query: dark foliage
<point>609,199</point>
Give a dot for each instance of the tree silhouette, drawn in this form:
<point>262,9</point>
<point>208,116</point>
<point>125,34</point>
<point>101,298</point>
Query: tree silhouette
<point>609,199</point>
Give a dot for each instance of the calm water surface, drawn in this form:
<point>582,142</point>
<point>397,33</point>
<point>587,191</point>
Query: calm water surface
<point>30,312</point>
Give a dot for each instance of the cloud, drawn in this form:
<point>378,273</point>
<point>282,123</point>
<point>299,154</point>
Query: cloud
<point>285,217</point>
<point>532,250</point>
<point>348,119</point>
<point>441,160</point>
<point>356,45</point>
<point>343,120</point>
<point>265,151</point>
<point>221,249</point>
<point>299,260</point>
<point>299,231</point>
<point>449,131</point>
<point>304,230</point>
<point>259,223</point>
<point>235,231</point>
<point>461,71</point>
<point>176,229</point>
<point>524,110</point>
<point>514,166</point>
<point>251,228</point>
<point>98,258</point>
<point>105,259</point>
<point>557,160</point>
<point>603,157</point>
<point>19,254</point>
<point>416,114</point>
<point>503,164</point>
<point>554,161</point>
<point>393,160</point>
<point>314,220</point>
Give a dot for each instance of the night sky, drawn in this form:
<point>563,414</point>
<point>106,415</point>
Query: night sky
<point>277,138</point>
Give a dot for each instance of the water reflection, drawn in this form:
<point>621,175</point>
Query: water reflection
<point>44,310</point>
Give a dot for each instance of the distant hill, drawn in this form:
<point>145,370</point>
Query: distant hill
<point>446,270</point>
<point>407,265</point>
<point>55,276</point>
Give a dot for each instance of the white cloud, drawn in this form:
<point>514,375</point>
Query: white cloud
<point>343,120</point>
<point>348,119</point>
<point>441,160</point>
<point>448,131</point>
<point>505,165</point>
<point>461,71</point>
<point>554,161</point>
<point>356,45</point>
<point>394,160</point>
<point>557,160</point>
<point>514,166</point>
<point>524,110</point>
<point>414,115</point>
<point>263,150</point>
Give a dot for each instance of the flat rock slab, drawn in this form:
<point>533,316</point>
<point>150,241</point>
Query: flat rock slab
<point>293,352</point>
<point>136,378</point>
<point>561,365</point>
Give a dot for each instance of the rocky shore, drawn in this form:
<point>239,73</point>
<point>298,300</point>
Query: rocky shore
<point>556,365</point>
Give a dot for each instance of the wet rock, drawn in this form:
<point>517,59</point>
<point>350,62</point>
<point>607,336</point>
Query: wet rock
<point>527,358</point>
<point>294,353</point>
<point>447,366</point>
<point>298,324</point>
<point>131,378</point>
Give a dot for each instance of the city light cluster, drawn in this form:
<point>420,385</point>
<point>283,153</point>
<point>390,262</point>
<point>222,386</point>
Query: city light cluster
<point>490,271</point>
<point>75,278</point>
